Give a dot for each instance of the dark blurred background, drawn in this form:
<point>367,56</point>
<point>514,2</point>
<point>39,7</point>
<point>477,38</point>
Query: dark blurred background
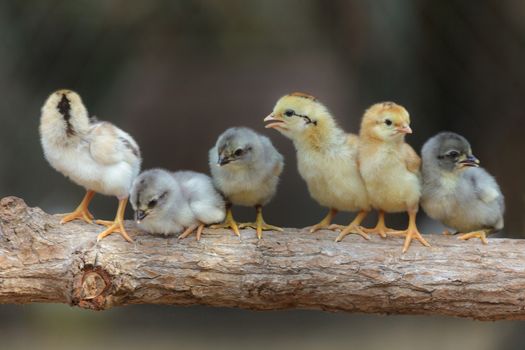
<point>175,74</point>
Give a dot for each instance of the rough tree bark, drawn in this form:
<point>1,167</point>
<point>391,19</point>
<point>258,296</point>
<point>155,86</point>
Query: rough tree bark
<point>43,261</point>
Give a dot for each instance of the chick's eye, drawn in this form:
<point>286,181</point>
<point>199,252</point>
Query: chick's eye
<point>453,154</point>
<point>388,122</point>
<point>239,152</point>
<point>152,203</point>
<point>289,112</point>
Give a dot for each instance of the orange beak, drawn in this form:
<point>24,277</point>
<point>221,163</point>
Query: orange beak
<point>405,129</point>
<point>277,123</point>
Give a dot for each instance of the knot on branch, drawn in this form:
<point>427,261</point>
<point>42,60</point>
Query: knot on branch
<point>92,288</point>
<point>12,208</point>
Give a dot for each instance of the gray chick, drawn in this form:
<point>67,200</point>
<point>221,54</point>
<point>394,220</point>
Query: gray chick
<point>170,203</point>
<point>456,191</point>
<point>245,167</point>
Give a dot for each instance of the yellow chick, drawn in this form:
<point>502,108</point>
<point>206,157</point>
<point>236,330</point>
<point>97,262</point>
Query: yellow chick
<point>326,158</point>
<point>390,167</point>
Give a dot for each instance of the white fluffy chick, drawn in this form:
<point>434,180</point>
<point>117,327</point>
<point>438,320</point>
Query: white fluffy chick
<point>245,167</point>
<point>456,191</point>
<point>170,203</point>
<point>326,158</point>
<point>95,155</point>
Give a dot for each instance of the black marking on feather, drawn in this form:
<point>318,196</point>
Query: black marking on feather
<point>130,146</point>
<point>306,118</point>
<point>64,107</point>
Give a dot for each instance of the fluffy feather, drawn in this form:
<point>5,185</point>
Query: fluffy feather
<point>389,166</point>
<point>250,178</point>
<point>326,155</point>
<point>98,156</point>
<point>168,203</point>
<point>465,198</point>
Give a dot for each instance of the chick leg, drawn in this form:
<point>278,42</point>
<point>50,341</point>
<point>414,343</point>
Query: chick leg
<point>229,222</point>
<point>259,225</point>
<point>354,227</point>
<point>325,223</point>
<point>81,212</point>
<point>380,229</point>
<point>117,225</point>
<point>481,234</point>
<point>192,228</point>
<point>412,231</point>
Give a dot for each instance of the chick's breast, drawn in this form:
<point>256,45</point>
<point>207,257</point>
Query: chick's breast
<point>391,186</point>
<point>468,202</point>
<point>333,177</point>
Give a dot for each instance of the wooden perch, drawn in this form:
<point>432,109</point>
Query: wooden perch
<point>43,261</point>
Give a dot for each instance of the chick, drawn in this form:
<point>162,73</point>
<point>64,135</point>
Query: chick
<point>390,167</point>
<point>96,155</point>
<point>170,203</point>
<point>245,167</point>
<point>456,191</point>
<point>326,158</point>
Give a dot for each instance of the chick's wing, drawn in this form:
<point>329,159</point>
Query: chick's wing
<point>412,160</point>
<point>109,145</point>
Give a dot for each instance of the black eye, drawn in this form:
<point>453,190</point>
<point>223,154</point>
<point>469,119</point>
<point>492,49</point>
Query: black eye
<point>453,154</point>
<point>238,152</point>
<point>289,112</point>
<point>388,122</point>
<point>152,203</point>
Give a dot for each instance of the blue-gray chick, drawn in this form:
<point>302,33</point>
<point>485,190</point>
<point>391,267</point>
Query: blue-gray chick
<point>170,203</point>
<point>456,191</point>
<point>245,168</point>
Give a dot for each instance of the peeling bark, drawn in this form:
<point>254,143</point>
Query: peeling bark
<point>43,261</point>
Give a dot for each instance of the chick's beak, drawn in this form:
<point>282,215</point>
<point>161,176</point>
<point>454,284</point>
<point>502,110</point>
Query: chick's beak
<point>277,123</point>
<point>470,161</point>
<point>223,161</point>
<point>140,215</point>
<point>404,129</point>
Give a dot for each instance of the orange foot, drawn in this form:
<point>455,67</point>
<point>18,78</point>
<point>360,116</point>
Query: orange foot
<point>117,225</point>
<point>190,230</point>
<point>325,223</point>
<point>381,229</point>
<point>353,227</point>
<point>81,212</point>
<point>482,235</point>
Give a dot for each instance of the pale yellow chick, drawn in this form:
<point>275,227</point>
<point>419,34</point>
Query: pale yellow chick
<point>326,158</point>
<point>390,167</point>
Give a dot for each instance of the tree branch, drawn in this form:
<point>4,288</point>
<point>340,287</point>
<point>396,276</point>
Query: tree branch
<point>43,261</point>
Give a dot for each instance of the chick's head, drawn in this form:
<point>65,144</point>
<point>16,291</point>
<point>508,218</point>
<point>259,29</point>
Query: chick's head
<point>449,152</point>
<point>386,121</point>
<point>152,194</point>
<point>297,113</point>
<point>237,147</point>
<point>64,109</point>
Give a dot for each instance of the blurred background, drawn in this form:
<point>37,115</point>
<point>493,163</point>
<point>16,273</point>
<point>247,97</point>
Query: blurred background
<point>175,74</point>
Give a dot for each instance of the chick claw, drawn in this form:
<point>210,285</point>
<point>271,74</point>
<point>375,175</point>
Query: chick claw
<point>410,235</point>
<point>349,230</point>
<point>325,223</point>
<point>260,226</point>
<point>190,230</point>
<point>79,213</point>
<point>381,229</point>
<point>117,225</point>
<point>229,222</point>
<point>482,235</point>
<point>113,226</point>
